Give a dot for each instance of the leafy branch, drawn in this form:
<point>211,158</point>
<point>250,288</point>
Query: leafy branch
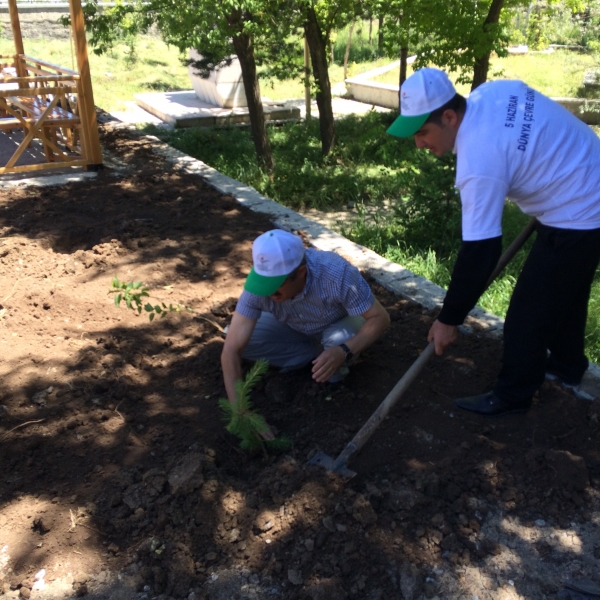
<point>134,292</point>
<point>244,422</point>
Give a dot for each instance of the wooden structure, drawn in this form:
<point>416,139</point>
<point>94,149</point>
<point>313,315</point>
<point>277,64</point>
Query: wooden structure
<point>50,103</point>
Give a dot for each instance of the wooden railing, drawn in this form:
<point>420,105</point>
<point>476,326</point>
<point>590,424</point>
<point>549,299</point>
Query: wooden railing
<point>44,101</point>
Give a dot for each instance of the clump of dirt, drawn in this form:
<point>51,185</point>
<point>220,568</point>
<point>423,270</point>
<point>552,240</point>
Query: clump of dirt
<point>120,481</point>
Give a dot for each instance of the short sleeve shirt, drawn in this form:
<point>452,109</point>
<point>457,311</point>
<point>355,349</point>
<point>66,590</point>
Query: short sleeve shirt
<point>334,289</point>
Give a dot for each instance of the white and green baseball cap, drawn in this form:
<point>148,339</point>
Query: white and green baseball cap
<point>423,92</point>
<point>275,255</point>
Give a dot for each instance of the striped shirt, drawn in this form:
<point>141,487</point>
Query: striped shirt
<point>334,289</point>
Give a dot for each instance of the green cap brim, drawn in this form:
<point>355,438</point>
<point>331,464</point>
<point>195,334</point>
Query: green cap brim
<point>261,285</point>
<point>405,126</point>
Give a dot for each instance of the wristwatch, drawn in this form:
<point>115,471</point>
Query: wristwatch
<point>349,355</point>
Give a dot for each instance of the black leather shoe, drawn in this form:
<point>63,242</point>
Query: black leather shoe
<point>489,405</point>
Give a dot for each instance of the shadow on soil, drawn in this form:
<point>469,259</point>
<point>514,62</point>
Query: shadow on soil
<point>115,457</point>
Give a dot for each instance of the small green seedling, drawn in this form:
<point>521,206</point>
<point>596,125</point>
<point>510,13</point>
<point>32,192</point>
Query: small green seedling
<point>244,422</point>
<point>132,294</point>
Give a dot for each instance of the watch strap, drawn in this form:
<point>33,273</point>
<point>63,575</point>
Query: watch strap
<point>347,352</point>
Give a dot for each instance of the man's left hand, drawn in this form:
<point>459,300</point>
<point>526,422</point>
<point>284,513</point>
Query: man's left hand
<point>442,336</point>
<point>327,363</point>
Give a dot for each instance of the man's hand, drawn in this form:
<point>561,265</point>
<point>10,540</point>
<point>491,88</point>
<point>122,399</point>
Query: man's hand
<point>327,363</point>
<point>239,334</point>
<point>442,336</point>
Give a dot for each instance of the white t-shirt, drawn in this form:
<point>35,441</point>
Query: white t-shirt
<point>515,142</point>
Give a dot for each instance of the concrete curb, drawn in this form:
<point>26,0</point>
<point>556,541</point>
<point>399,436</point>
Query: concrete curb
<point>46,180</point>
<point>362,89</point>
<point>390,275</point>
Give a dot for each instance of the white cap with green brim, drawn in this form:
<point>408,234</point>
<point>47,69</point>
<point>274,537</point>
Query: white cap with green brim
<point>423,92</point>
<point>275,255</point>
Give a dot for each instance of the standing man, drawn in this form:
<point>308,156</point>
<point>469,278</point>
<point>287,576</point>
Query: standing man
<point>300,306</point>
<point>511,141</point>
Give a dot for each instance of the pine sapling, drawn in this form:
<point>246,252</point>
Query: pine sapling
<point>244,422</point>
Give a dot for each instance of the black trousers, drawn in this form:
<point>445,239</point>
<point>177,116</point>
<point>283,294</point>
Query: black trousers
<point>548,311</point>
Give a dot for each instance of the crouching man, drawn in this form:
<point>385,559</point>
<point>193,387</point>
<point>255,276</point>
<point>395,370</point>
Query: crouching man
<point>301,305</point>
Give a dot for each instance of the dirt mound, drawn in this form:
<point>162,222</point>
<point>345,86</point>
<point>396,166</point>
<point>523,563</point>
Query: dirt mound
<point>119,480</point>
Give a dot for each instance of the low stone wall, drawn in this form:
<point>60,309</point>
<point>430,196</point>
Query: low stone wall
<point>386,95</point>
<point>586,110</point>
<point>37,25</point>
<point>40,21</point>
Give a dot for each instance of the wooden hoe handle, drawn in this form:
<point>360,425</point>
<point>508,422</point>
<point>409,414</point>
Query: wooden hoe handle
<point>367,430</point>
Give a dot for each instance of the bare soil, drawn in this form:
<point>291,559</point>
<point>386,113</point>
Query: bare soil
<point>118,479</point>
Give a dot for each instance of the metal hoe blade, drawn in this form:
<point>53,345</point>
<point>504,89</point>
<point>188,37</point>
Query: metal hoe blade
<point>324,460</point>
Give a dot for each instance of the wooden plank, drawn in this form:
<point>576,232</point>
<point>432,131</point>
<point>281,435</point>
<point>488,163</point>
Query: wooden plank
<point>40,78</point>
<point>44,124</point>
<point>37,71</point>
<point>58,118</point>
<point>50,65</point>
<point>78,162</point>
<point>90,139</point>
<point>10,123</point>
<point>58,91</point>
<point>16,29</point>
<point>35,108</point>
<point>33,129</point>
<point>15,113</point>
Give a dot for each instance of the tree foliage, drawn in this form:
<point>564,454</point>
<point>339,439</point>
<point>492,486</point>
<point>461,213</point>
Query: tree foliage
<point>251,29</point>
<point>456,35</point>
<point>541,22</point>
<point>120,23</point>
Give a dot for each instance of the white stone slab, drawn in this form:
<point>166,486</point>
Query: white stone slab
<point>223,87</point>
<point>185,109</point>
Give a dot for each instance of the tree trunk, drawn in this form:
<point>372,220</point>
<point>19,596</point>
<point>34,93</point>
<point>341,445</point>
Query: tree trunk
<point>404,21</point>
<point>318,54</point>
<point>347,53</point>
<point>403,63</point>
<point>244,49</point>
<point>380,36</point>
<point>482,63</point>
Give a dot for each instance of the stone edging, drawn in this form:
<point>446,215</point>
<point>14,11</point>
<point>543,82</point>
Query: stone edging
<point>45,180</point>
<point>390,275</point>
<point>362,89</point>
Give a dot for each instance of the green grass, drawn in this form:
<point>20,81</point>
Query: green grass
<point>559,74</point>
<point>432,253</point>
<point>369,168</point>
<point>115,76</point>
<point>366,167</point>
<point>285,90</point>
<point>418,222</point>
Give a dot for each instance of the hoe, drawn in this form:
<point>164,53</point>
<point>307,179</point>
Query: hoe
<point>339,464</point>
